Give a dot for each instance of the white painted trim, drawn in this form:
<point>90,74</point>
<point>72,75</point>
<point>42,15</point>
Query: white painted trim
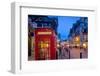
<point>16,28</point>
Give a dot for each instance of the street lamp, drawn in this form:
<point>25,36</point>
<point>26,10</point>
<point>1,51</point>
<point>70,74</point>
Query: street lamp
<point>84,45</point>
<point>58,45</point>
<point>77,39</point>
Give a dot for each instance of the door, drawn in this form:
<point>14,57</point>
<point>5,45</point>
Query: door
<point>43,49</point>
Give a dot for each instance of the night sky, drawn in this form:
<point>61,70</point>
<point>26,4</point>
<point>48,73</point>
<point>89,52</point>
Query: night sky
<point>64,25</point>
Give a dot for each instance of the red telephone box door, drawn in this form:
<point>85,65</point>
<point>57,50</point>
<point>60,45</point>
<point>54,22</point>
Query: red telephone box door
<point>44,44</point>
<point>44,49</point>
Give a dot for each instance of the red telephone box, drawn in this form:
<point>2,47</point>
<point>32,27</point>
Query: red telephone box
<point>45,44</point>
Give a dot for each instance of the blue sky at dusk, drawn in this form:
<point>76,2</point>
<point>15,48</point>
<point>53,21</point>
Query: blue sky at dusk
<point>64,25</point>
